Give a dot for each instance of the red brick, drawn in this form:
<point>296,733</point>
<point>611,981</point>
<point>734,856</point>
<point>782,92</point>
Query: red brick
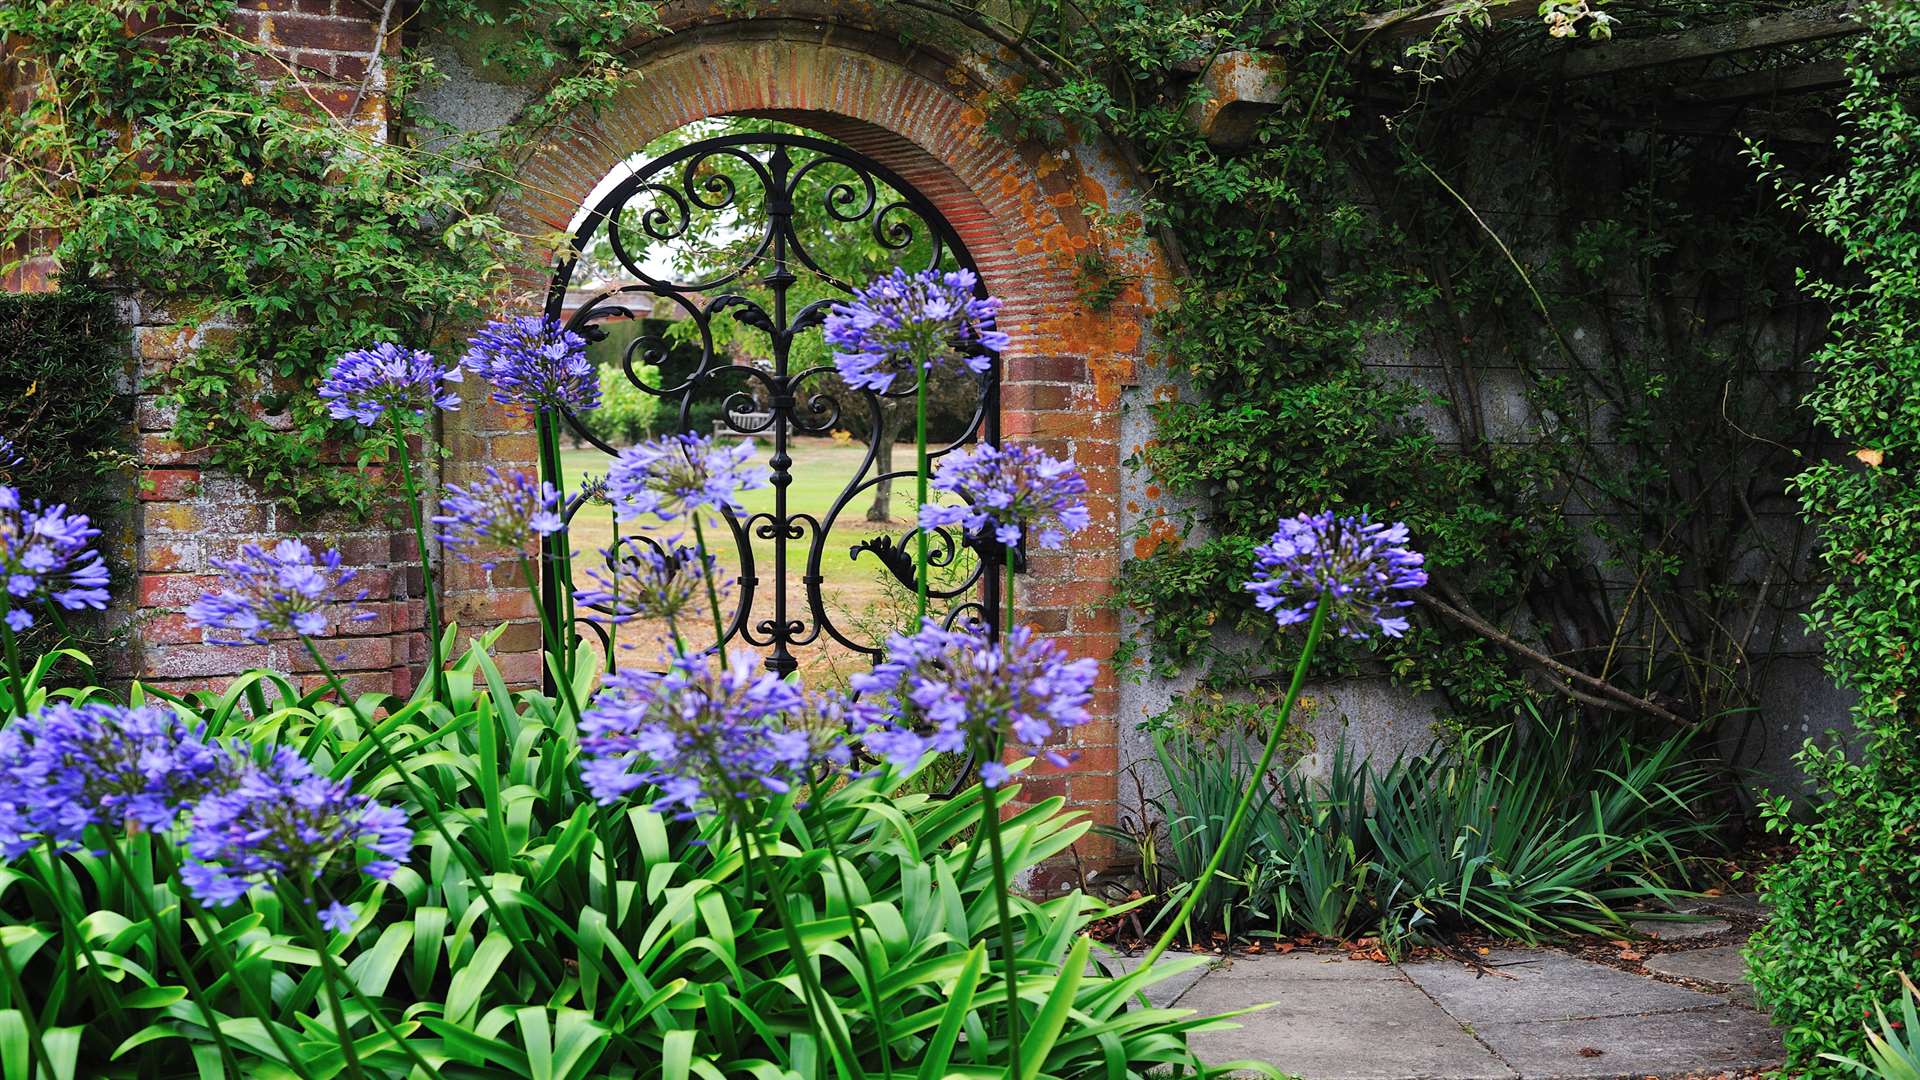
<point>169,485</point>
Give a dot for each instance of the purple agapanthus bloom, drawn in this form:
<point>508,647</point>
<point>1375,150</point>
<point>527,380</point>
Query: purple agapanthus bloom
<point>902,320</point>
<point>282,818</point>
<point>285,590</point>
<point>496,514</point>
<point>366,384</point>
<point>704,732</point>
<point>10,456</point>
<point>65,767</point>
<point>1351,564</point>
<point>681,474</point>
<point>535,362</point>
<point>46,555</point>
<point>953,690</point>
<point>1010,492</point>
<point>648,582</point>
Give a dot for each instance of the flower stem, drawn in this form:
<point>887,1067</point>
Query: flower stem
<point>1256,787</point>
<point>170,948</point>
<point>713,593</point>
<point>378,1017</point>
<point>990,822</point>
<point>1008,599</point>
<point>920,471</point>
<point>36,1048</point>
<point>328,975</point>
<point>860,949</point>
<point>430,594</point>
<point>548,430</point>
<point>802,960</point>
<point>535,966</point>
<point>15,680</point>
<point>231,967</point>
<point>550,634</point>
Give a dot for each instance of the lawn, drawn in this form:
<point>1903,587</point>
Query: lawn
<point>861,598</point>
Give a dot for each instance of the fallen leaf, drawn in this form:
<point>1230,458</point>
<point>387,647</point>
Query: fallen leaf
<point>1591,1051</point>
<point>1630,955</point>
<point>1872,458</point>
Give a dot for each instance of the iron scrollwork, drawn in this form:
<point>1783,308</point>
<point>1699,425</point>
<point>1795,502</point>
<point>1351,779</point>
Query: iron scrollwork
<point>785,180</point>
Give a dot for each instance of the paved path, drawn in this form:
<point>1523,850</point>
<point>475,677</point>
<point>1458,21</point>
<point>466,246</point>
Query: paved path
<point>1536,1013</point>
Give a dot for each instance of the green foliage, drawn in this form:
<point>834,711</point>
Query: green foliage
<point>1845,923</point>
<point>627,413</point>
<point>300,236</point>
<point>652,940</point>
<point>1893,1052</point>
<point>1524,832</point>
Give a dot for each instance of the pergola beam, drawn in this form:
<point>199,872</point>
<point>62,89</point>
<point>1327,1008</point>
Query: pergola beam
<point>1765,32</point>
<point>1424,19</point>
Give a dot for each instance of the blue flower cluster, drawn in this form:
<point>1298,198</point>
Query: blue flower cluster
<point>900,322</point>
<point>497,513</point>
<point>1350,564</point>
<point>1010,492</point>
<point>535,362</point>
<point>47,557</point>
<point>705,732</point>
<point>648,582</point>
<point>285,590</point>
<point>282,818</point>
<point>954,690</point>
<point>66,767</point>
<point>366,384</point>
<point>681,475</point>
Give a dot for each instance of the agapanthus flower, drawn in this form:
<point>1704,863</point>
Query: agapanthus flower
<point>1351,564</point>
<point>282,818</point>
<point>366,384</point>
<point>46,556</point>
<point>953,690</point>
<point>1010,492</point>
<point>10,457</point>
<point>648,582</point>
<point>534,361</point>
<point>706,732</point>
<point>65,767</point>
<point>681,474</point>
<point>497,514</point>
<point>284,590</point>
<point>902,320</point>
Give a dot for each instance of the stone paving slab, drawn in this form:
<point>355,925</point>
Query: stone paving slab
<point>1532,985</point>
<point>1675,930</point>
<point>1724,1038</point>
<point>1721,964</point>
<point>1335,1019</point>
<point>1164,993</point>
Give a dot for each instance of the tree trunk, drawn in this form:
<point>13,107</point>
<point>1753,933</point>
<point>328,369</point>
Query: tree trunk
<point>890,417</point>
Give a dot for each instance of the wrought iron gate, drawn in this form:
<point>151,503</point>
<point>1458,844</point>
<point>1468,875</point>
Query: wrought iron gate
<point>767,195</point>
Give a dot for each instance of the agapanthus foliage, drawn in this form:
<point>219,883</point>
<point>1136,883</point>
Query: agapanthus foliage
<point>536,362</point>
<point>681,475</point>
<point>497,513</point>
<point>643,581</point>
<point>953,690</point>
<point>47,557</point>
<point>366,385</point>
<point>901,322</point>
<point>1010,492</point>
<point>283,819</point>
<point>65,767</point>
<point>1352,565</point>
<point>706,732</point>
<point>284,590</point>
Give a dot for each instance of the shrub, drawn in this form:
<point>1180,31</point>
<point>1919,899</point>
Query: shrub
<point>1893,1051</point>
<point>626,413</point>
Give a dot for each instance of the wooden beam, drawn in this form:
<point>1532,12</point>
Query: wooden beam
<point>1768,31</point>
<point>1799,79</point>
<point>1415,21</point>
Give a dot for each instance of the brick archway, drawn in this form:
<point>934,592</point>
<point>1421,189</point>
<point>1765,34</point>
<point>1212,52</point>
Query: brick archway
<point>1024,213</point>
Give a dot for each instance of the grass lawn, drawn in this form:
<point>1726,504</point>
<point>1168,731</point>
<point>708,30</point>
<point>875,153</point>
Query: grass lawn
<point>861,597</point>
